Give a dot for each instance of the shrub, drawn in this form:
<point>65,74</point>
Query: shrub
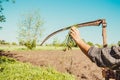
<point>30,44</point>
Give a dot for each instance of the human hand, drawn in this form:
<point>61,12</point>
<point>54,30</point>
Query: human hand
<point>76,37</point>
<point>74,32</point>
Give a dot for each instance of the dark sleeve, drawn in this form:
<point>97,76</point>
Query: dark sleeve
<point>105,57</point>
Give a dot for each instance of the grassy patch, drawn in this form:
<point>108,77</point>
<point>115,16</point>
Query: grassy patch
<point>19,48</point>
<point>11,69</point>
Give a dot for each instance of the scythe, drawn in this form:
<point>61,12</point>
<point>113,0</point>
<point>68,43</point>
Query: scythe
<point>91,23</point>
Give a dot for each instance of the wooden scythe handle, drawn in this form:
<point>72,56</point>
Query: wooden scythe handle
<point>104,35</point>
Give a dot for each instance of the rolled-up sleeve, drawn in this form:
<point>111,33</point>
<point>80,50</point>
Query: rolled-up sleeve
<point>95,56</point>
<point>104,57</point>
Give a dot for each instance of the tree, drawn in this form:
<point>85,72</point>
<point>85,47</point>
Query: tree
<point>119,43</point>
<point>3,42</point>
<point>2,17</point>
<point>30,29</point>
<point>90,43</point>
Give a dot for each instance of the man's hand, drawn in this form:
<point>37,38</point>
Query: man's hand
<point>82,45</point>
<point>75,34</point>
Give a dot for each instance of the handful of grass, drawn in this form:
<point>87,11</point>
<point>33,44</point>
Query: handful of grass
<point>70,42</point>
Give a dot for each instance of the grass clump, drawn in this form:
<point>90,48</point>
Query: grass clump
<point>11,69</point>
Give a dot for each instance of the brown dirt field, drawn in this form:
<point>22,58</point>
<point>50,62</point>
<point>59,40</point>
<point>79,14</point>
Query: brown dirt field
<point>73,62</point>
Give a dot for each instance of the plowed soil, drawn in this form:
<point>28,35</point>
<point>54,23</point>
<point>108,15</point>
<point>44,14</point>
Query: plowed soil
<point>73,62</point>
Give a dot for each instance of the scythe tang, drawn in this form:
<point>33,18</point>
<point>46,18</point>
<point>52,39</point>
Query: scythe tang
<point>91,23</point>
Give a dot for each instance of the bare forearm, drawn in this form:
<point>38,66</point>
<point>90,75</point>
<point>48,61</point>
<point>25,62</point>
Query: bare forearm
<point>83,46</point>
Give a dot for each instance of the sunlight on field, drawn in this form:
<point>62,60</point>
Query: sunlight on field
<point>17,48</point>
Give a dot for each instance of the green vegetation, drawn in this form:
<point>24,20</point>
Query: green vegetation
<point>90,43</point>
<point>23,48</point>
<point>119,43</point>
<point>67,43</point>
<point>3,42</point>
<point>11,69</point>
<point>70,42</point>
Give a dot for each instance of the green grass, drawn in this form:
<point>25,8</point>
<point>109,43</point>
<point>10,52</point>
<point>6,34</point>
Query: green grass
<point>19,48</point>
<point>11,69</point>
